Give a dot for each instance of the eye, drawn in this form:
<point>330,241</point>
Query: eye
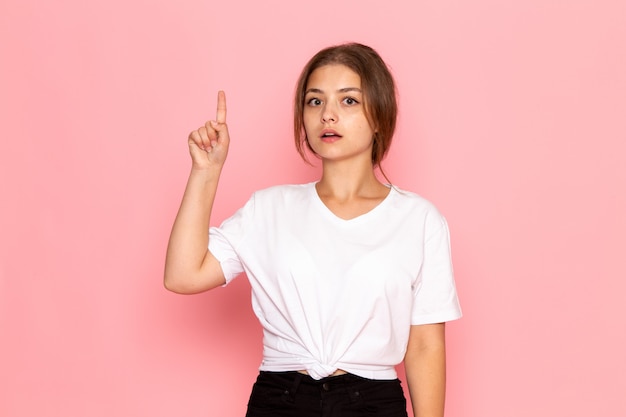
<point>350,101</point>
<point>314,101</point>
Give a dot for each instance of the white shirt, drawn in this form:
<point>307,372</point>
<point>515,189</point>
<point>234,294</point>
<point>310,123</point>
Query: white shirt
<point>338,294</point>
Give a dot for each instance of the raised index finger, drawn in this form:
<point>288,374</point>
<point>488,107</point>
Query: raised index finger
<point>221,107</point>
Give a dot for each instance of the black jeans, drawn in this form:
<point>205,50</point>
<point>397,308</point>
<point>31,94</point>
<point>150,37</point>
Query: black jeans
<point>291,394</point>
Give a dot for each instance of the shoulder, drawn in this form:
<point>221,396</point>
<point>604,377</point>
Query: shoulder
<point>413,206</point>
<point>269,206</point>
<point>412,201</point>
<point>286,195</point>
<point>284,191</point>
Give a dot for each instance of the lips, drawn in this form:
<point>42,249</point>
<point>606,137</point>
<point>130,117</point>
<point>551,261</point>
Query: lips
<point>329,135</point>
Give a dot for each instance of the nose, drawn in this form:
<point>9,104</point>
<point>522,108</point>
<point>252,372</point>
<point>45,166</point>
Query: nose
<point>329,114</point>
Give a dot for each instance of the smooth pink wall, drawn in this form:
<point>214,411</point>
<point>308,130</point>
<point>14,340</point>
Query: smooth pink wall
<point>512,122</point>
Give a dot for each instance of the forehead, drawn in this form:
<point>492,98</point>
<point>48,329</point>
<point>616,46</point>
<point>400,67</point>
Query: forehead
<point>333,77</point>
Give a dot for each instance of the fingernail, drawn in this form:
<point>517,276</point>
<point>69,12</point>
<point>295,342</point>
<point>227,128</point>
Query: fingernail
<point>214,124</point>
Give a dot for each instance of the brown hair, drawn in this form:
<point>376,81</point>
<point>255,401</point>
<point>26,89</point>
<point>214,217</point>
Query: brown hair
<point>379,93</point>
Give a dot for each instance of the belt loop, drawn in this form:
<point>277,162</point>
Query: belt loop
<point>350,386</point>
<point>296,383</point>
<point>290,395</point>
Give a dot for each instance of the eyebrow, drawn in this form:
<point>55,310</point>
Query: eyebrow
<point>341,90</point>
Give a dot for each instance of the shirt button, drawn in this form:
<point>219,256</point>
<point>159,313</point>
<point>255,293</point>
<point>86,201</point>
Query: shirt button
<point>326,386</point>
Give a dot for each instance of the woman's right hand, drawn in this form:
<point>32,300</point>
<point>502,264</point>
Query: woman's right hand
<point>208,145</point>
<point>189,265</point>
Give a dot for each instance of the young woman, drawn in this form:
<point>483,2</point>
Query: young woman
<point>349,276</point>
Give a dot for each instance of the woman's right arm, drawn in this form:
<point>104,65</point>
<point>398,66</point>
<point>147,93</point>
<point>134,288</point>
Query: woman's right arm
<point>189,266</point>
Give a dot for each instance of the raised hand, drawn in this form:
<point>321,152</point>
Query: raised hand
<point>189,266</point>
<point>208,145</point>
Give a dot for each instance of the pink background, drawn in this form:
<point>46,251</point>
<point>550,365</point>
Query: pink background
<point>512,121</point>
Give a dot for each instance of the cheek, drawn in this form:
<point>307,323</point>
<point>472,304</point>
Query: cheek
<point>361,125</point>
<point>309,118</point>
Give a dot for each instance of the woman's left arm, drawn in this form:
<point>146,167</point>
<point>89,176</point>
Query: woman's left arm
<point>425,366</point>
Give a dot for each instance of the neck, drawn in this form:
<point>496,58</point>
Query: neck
<point>348,180</point>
